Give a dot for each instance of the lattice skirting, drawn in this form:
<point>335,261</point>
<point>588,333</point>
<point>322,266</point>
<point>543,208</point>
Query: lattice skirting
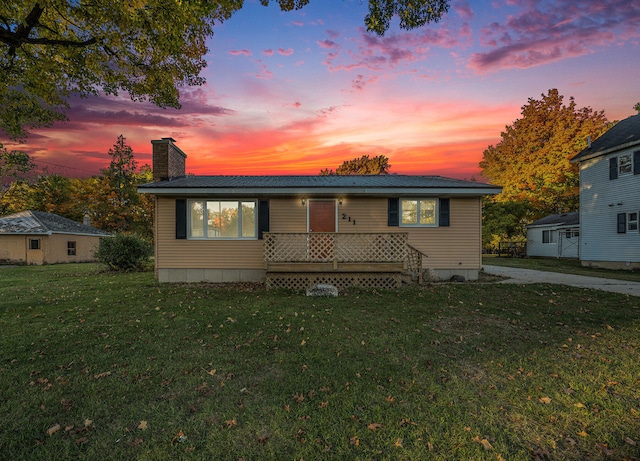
<point>300,282</point>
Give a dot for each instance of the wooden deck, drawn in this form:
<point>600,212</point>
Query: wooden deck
<point>298,260</point>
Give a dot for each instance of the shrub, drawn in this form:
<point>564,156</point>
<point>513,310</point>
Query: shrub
<point>124,252</point>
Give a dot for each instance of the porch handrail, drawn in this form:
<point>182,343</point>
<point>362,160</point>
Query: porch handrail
<point>376,247</point>
<point>414,261</point>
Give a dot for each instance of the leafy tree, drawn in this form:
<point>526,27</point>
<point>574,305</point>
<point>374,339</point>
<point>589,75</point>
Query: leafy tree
<point>362,165</point>
<point>531,162</point>
<point>13,165</point>
<point>637,107</point>
<point>51,49</point>
<point>503,221</point>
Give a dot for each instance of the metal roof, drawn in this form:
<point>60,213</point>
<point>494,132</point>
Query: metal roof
<point>43,223</point>
<point>564,219</point>
<point>327,184</point>
<point>622,135</point>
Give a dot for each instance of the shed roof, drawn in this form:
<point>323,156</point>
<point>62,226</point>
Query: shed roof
<point>319,184</point>
<point>43,223</point>
<point>564,219</point>
<point>622,135</point>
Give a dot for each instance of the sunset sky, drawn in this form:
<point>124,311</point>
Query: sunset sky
<point>293,93</point>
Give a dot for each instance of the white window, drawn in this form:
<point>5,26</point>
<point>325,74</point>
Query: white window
<point>418,212</point>
<point>548,236</point>
<point>222,219</point>
<point>572,233</point>
<point>632,222</point>
<point>624,164</point>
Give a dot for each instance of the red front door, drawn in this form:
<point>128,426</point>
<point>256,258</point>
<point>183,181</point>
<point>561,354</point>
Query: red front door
<point>322,221</point>
<point>322,216</point>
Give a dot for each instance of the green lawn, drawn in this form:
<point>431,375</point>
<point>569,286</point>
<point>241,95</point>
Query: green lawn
<point>567,266</point>
<point>114,366</point>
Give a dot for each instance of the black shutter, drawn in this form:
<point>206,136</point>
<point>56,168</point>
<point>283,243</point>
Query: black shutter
<point>622,223</point>
<point>181,219</point>
<point>613,168</point>
<point>445,213</point>
<point>393,213</point>
<point>263,217</point>
<point>636,162</point>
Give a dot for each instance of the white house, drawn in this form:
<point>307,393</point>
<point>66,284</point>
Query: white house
<point>555,236</point>
<point>610,198</point>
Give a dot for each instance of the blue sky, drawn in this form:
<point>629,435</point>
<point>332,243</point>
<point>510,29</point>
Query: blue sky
<point>295,92</point>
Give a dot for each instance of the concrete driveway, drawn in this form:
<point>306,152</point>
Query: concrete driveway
<point>522,276</point>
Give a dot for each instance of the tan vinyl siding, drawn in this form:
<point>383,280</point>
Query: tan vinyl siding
<point>287,215</point>
<point>457,246</point>
<point>454,247</point>
<point>191,254</point>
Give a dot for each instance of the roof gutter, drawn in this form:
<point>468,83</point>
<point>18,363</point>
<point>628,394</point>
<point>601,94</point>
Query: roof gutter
<point>284,191</point>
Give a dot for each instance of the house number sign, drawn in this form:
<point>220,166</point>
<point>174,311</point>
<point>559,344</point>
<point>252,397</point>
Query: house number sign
<point>345,217</point>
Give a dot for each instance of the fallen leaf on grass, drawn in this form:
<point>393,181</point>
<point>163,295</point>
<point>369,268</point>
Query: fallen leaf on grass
<point>102,375</point>
<point>374,426</point>
<point>179,437</point>
<point>390,399</point>
<point>571,441</point>
<point>398,443</point>
<point>630,441</point>
<point>137,442</point>
<point>231,423</point>
<point>578,405</point>
<point>143,425</point>
<point>53,429</point>
<point>545,400</point>
<point>484,442</point>
<point>582,434</point>
<point>355,441</point>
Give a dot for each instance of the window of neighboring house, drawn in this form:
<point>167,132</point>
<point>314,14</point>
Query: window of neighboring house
<point>548,236</point>
<point>572,233</point>
<point>71,248</point>
<point>632,222</point>
<point>222,219</point>
<point>624,164</point>
<point>418,212</point>
<point>34,244</point>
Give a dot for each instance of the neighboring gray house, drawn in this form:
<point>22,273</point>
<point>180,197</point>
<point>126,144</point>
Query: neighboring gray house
<point>555,236</point>
<point>37,237</point>
<point>610,198</point>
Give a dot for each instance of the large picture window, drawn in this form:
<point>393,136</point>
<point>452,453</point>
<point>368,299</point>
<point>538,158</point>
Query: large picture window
<point>419,212</point>
<point>222,219</point>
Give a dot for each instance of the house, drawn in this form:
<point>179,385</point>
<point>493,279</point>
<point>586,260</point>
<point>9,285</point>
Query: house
<point>555,236</point>
<point>37,237</point>
<point>295,231</point>
<point>610,198</point>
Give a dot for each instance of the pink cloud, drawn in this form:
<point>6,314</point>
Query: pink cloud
<point>268,52</point>
<point>297,23</point>
<point>463,9</point>
<point>541,33</point>
<point>376,53</point>
<point>285,52</point>
<point>243,52</point>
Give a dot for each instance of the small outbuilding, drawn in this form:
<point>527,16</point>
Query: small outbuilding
<point>555,236</point>
<point>37,237</point>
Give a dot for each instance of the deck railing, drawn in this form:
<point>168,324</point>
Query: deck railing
<point>325,247</point>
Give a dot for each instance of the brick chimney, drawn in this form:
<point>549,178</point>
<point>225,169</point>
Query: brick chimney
<point>168,160</point>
